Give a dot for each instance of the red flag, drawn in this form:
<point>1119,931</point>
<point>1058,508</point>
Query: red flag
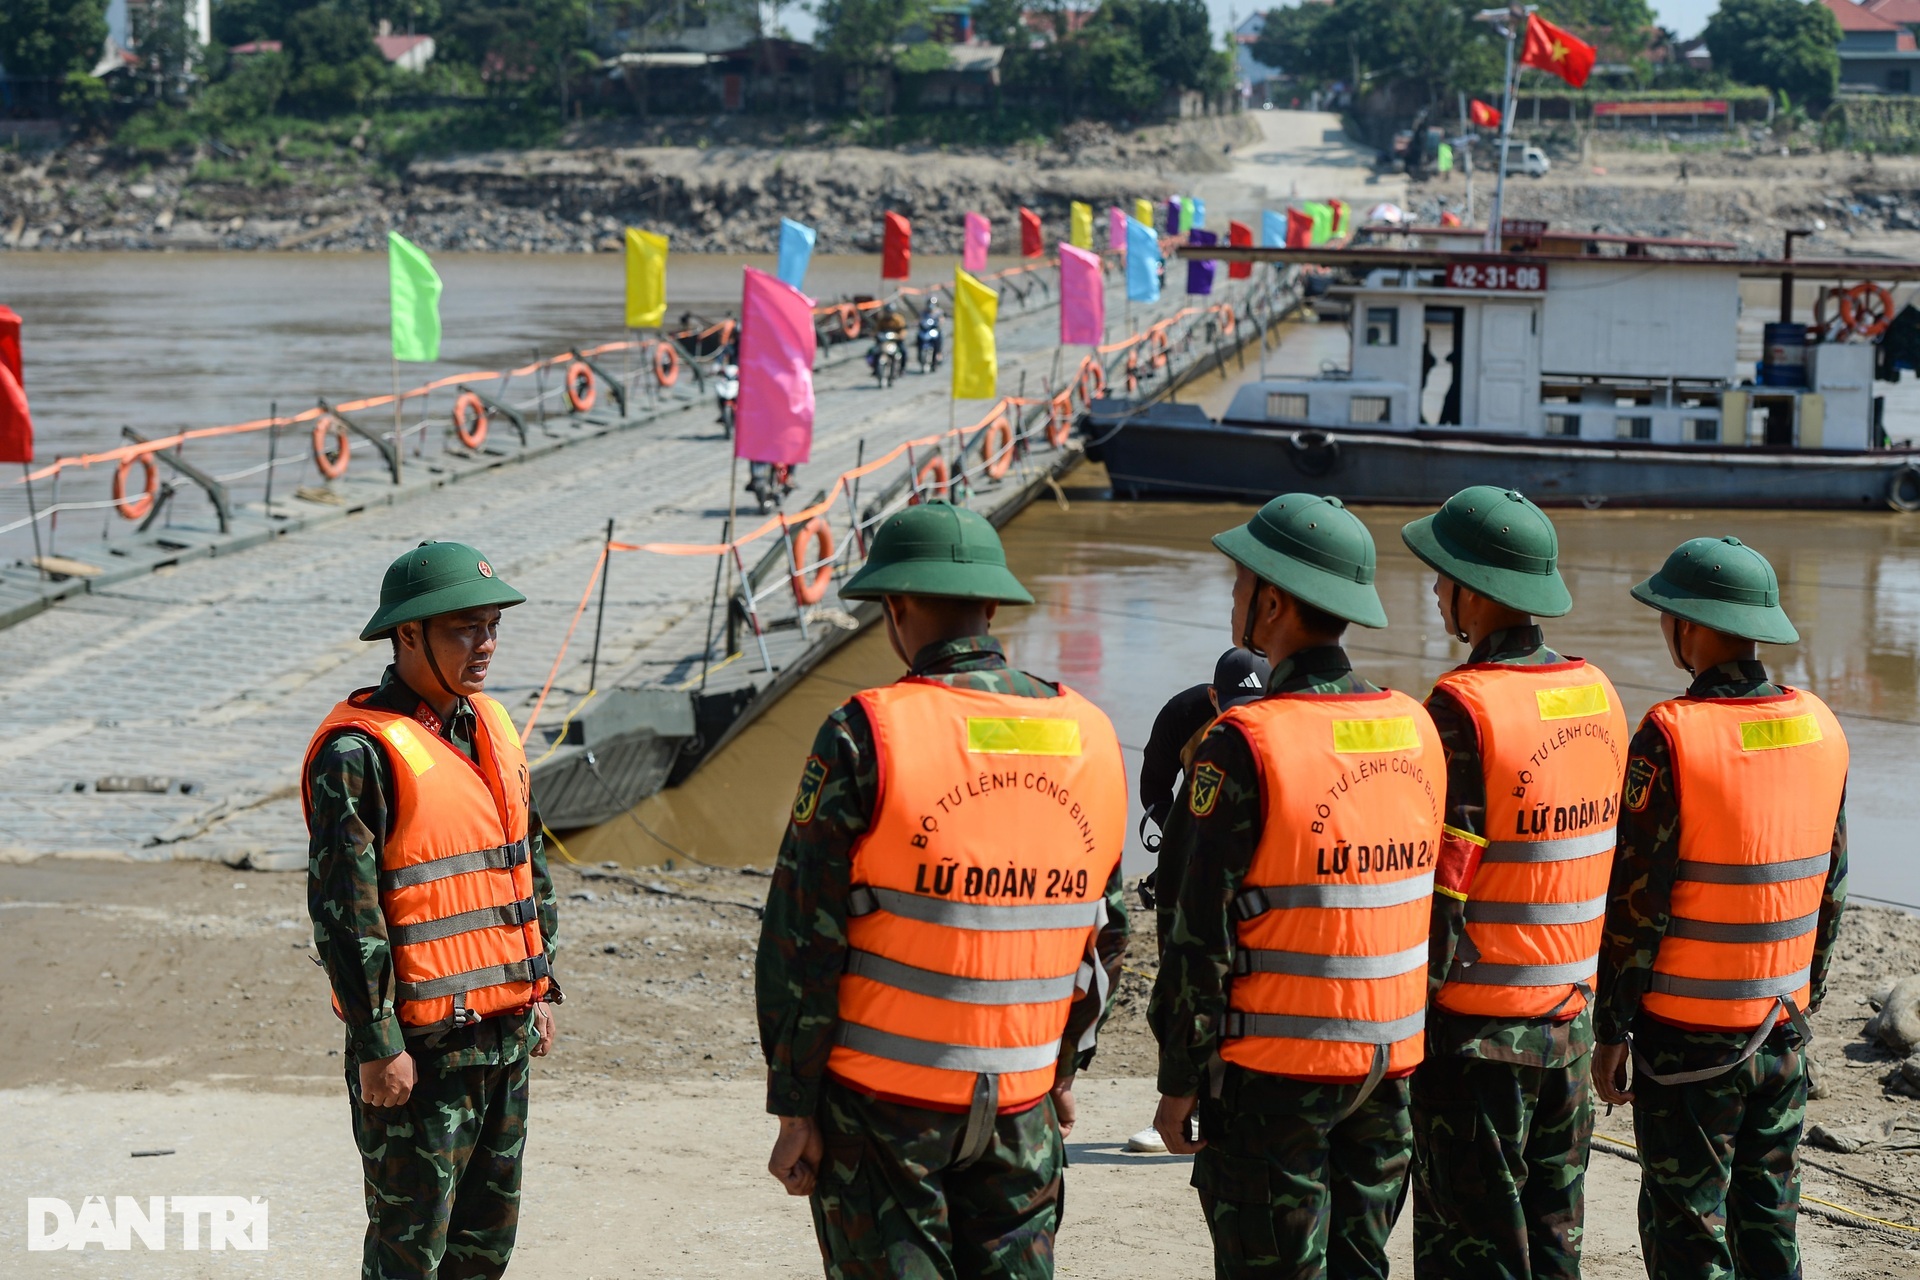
<point>16,423</point>
<point>1449,219</point>
<point>1549,48</point>
<point>1032,243</point>
<point>1239,234</point>
<point>896,248</point>
<point>1299,230</point>
<point>1487,117</point>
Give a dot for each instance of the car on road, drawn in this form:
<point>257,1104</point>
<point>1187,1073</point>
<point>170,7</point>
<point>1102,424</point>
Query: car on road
<point>1523,157</point>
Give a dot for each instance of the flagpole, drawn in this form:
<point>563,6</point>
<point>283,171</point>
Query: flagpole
<point>1516,14</point>
<point>399,440</point>
<point>33,517</point>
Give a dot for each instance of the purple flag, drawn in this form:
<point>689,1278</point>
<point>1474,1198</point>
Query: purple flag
<point>979,233</point>
<point>1200,270</point>
<point>1173,215</point>
<point>1117,230</point>
<point>1083,298</point>
<point>774,417</point>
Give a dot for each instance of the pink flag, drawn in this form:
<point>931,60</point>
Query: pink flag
<point>774,417</point>
<point>1083,299</point>
<point>1117,230</point>
<point>979,233</point>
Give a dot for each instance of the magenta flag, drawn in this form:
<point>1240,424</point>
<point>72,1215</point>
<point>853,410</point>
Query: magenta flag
<point>773,420</point>
<point>979,234</point>
<point>1117,230</point>
<point>1083,298</point>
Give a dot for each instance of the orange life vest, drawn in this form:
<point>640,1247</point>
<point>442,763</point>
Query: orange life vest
<point>1553,751</point>
<point>1330,952</point>
<point>1760,782</point>
<point>978,892</point>
<point>456,882</point>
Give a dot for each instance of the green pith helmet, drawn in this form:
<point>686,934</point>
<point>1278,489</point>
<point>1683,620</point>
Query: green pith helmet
<point>1724,584</point>
<point>1314,549</point>
<point>432,579</point>
<point>936,549</point>
<point>1497,543</point>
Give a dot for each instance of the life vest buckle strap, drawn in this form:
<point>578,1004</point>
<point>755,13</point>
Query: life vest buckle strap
<point>1307,964</point>
<point>1481,911</point>
<point>499,858</point>
<point>1281,897</point>
<point>861,902</point>
<point>1562,849</point>
<point>979,1059</point>
<point>1722,931</point>
<point>1748,873</point>
<point>1526,975</point>
<point>984,917</point>
<point>946,986</point>
<point>1730,988</point>
<point>512,914</point>
<point>494,975</point>
<point>1241,1025</point>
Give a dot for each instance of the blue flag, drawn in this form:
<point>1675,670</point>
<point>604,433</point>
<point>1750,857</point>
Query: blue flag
<point>1199,212</point>
<point>1200,270</point>
<point>1143,263</point>
<point>796,251</point>
<point>1273,230</point>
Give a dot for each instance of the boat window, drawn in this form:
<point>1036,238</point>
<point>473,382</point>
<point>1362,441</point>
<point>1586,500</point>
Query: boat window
<point>1368,409</point>
<point>1703,430</point>
<point>1383,326</point>
<point>1286,404</point>
<point>1634,428</point>
<point>1563,424</point>
<point>1699,400</point>
<point>1628,399</point>
<point>1559,393</point>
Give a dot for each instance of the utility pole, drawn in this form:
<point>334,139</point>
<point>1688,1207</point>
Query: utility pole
<point>1509,22</point>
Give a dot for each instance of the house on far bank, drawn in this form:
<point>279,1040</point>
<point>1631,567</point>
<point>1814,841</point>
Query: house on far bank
<point>1253,79</point>
<point>406,53</point>
<point>1878,53</point>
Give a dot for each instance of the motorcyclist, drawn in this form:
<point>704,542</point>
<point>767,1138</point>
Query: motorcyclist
<point>888,324</point>
<point>929,336</point>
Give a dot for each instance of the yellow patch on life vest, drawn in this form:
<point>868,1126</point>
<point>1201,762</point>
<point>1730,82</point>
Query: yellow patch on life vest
<point>418,758</point>
<point>1023,736</point>
<point>1771,735</point>
<point>1566,704</point>
<point>1356,737</point>
<point>1206,789</point>
<point>502,722</point>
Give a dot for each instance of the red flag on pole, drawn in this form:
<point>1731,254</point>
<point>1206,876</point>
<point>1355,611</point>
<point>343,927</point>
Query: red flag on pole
<point>1487,117</point>
<point>1299,229</point>
<point>1239,235</point>
<point>16,423</point>
<point>896,248</point>
<point>1032,243</point>
<point>1549,48</point>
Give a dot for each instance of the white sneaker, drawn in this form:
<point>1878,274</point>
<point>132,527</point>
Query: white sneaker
<point>1147,1142</point>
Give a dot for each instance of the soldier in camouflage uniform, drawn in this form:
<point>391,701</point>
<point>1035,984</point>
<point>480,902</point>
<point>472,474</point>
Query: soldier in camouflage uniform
<point>1717,1113</point>
<point>439,1118</point>
<point>901,1189</point>
<point>1299,1179</point>
<point>1502,1112</point>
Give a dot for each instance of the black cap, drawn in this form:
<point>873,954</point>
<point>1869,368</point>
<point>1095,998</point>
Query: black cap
<point>1240,676</point>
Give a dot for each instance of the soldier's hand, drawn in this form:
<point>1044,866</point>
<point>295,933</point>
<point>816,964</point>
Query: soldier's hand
<point>797,1154</point>
<point>388,1082</point>
<point>1064,1108</point>
<point>543,1028</point>
<point>1170,1122</point>
<point>1610,1074</point>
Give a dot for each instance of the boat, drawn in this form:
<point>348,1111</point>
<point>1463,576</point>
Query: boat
<point>1580,368</point>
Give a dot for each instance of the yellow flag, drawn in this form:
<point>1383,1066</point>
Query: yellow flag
<point>1080,228</point>
<point>976,362</point>
<point>1143,212</point>
<point>646,279</point>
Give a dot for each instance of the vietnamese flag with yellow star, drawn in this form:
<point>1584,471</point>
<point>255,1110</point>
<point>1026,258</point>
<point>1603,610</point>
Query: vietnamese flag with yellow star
<point>1549,48</point>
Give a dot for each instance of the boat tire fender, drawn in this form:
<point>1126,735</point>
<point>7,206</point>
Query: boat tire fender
<point>1903,489</point>
<point>330,460</point>
<point>580,388</point>
<point>813,543</point>
<point>1315,453</point>
<point>470,420</point>
<point>138,507</point>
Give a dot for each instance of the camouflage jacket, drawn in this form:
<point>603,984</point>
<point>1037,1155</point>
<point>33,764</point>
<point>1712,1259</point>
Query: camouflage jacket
<point>1640,897</point>
<point>1216,844</point>
<point>803,937</point>
<point>350,813</point>
<point>1535,1043</point>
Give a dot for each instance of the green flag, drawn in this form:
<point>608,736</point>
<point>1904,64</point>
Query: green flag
<point>1322,215</point>
<point>416,301</point>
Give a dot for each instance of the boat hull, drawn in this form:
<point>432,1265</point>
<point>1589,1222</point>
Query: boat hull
<point>1176,451</point>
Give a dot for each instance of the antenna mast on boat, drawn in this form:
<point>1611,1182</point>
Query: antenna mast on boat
<point>1509,22</point>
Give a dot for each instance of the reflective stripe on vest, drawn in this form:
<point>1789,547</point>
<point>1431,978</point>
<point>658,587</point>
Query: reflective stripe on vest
<point>1552,745</point>
<point>1759,782</point>
<point>456,880</point>
<point>1330,933</point>
<point>979,889</point>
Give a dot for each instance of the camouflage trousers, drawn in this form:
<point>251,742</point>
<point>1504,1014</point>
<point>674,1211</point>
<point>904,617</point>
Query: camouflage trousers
<point>1292,1192</point>
<point>443,1173</point>
<point>1719,1185</point>
<point>892,1202</point>
<point>1499,1184</point>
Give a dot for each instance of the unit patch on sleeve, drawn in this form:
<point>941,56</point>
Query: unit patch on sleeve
<point>812,778</point>
<point>1206,789</point>
<point>1639,789</point>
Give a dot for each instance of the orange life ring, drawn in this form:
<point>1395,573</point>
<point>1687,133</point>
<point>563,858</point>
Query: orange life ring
<point>666,364</point>
<point>1157,348</point>
<point>138,508</point>
<point>1059,419</point>
<point>1866,309</point>
<point>812,590</point>
<point>470,420</point>
<point>1226,319</point>
<point>999,458</point>
<point>939,486</point>
<point>580,388</point>
<point>1133,372</point>
<point>849,321</point>
<point>1092,383</point>
<point>331,463</point>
